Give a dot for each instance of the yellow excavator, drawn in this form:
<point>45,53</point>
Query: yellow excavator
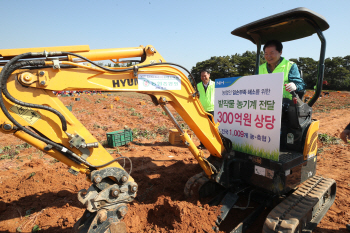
<point>31,112</point>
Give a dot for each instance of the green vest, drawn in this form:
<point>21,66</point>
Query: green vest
<point>207,98</point>
<point>283,67</point>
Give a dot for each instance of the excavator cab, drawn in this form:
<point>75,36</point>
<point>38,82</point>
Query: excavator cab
<point>287,26</point>
<point>294,175</point>
<point>298,142</point>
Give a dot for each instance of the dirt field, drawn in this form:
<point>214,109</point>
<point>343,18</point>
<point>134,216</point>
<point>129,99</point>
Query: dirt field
<point>36,191</point>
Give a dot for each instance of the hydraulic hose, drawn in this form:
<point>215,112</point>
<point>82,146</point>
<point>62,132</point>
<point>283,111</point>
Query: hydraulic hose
<point>132,68</point>
<point>11,98</point>
<point>227,142</point>
<point>15,64</point>
<point>4,75</point>
<point>8,69</point>
<point>121,157</point>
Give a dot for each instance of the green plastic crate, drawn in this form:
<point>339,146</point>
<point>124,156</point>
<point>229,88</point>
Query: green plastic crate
<point>119,138</point>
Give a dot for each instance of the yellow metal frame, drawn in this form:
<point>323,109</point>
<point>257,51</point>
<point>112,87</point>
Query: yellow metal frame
<point>310,147</point>
<point>73,49</point>
<point>27,86</point>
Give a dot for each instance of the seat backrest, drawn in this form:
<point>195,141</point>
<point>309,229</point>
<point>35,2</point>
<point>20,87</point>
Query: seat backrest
<point>301,93</point>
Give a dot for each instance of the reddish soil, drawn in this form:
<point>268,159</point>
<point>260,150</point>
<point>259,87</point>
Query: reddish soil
<point>37,191</point>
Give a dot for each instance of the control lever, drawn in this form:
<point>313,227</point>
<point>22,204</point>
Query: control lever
<point>296,100</point>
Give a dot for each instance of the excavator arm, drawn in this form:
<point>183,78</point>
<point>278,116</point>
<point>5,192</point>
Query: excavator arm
<point>31,112</point>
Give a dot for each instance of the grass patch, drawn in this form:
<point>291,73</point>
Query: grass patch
<point>328,140</point>
<point>9,153</point>
<point>36,228</point>
<point>31,174</point>
<point>166,138</point>
<point>134,113</point>
<point>178,117</point>
<point>250,149</point>
<point>162,130</point>
<point>100,100</point>
<point>184,126</point>
<point>143,133</point>
<point>6,148</point>
<point>82,110</point>
<point>53,161</point>
<point>24,145</point>
<point>87,99</point>
<point>137,114</point>
<point>5,157</point>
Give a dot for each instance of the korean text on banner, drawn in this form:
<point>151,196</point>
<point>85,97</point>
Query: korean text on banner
<point>249,112</point>
<point>155,82</point>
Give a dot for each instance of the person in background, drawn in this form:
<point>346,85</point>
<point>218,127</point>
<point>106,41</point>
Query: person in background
<point>277,64</point>
<point>206,90</point>
<point>345,135</point>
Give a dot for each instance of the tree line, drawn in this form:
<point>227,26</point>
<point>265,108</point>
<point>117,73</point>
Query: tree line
<point>336,73</point>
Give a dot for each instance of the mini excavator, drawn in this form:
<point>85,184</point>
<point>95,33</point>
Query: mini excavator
<point>31,112</point>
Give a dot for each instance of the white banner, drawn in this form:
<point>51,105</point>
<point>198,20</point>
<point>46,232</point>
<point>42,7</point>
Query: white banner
<point>148,82</point>
<point>249,112</point>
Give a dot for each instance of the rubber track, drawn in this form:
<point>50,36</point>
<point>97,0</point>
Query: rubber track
<point>295,209</point>
<point>194,184</point>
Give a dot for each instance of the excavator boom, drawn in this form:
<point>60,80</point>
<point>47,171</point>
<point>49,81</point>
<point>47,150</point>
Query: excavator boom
<point>31,112</point>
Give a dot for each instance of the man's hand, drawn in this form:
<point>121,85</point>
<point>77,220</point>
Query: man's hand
<point>345,135</point>
<point>290,87</point>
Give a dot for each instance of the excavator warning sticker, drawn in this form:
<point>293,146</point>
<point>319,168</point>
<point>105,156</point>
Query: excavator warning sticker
<point>159,82</point>
<point>27,114</point>
<point>260,171</point>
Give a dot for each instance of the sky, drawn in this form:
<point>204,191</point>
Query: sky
<point>183,31</point>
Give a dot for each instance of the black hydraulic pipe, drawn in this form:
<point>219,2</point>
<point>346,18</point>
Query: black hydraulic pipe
<point>320,71</point>
<point>257,61</point>
<point>15,64</point>
<point>11,98</point>
<point>132,68</point>
<point>11,66</point>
